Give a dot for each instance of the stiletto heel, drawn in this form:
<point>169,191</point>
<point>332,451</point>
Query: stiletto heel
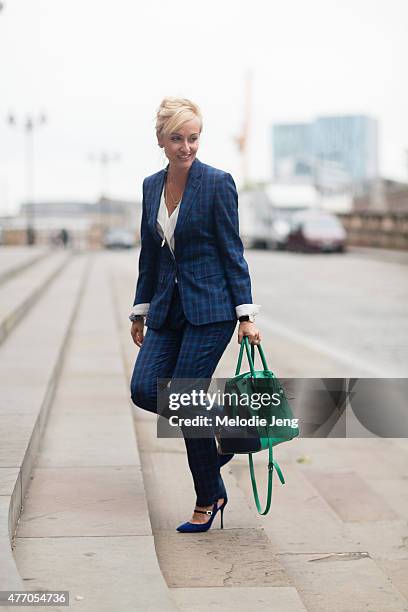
<point>199,527</point>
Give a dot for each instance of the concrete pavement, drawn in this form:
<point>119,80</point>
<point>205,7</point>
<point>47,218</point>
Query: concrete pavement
<point>325,524</point>
<point>105,495</point>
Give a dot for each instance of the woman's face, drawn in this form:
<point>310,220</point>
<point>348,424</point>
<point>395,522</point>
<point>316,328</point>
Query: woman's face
<point>181,146</point>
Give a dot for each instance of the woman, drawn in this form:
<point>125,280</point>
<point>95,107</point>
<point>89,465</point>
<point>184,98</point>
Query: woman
<point>192,287</point>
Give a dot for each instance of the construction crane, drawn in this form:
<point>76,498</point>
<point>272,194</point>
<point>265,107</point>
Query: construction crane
<point>242,139</point>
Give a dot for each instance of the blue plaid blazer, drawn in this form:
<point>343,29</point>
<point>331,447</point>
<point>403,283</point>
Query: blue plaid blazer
<point>208,260</point>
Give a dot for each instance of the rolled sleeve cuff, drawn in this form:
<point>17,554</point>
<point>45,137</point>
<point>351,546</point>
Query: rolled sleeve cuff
<point>247,309</point>
<point>140,309</point>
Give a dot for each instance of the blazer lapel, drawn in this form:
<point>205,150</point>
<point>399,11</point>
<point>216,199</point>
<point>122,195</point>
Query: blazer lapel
<point>155,195</point>
<point>190,191</point>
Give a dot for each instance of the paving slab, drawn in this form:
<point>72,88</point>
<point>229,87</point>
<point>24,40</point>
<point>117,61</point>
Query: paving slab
<point>10,578</point>
<point>4,509</point>
<point>14,259</point>
<point>101,365</point>
<point>342,583</point>
<point>394,490</point>
<point>19,293</point>
<point>15,432</point>
<point>102,574</point>
<point>350,496</point>
<point>76,437</point>
<point>384,255</point>
<point>91,394</point>
<point>397,572</point>
<point>295,505</point>
<point>8,479</point>
<point>238,599</point>
<point>394,457</point>
<point>364,456</point>
<point>10,501</point>
<point>85,501</point>
<point>228,557</point>
<point>385,540</point>
<point>30,393</point>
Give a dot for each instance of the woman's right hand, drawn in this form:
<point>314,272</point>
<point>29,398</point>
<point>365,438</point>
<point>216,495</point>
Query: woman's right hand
<point>136,332</point>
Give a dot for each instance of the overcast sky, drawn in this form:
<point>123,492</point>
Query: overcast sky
<point>99,70</point>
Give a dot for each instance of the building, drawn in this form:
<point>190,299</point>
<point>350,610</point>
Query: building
<point>335,153</point>
<point>292,152</point>
<point>86,222</point>
<point>384,196</point>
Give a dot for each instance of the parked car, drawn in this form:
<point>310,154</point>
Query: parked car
<point>265,213</point>
<point>316,231</point>
<point>119,238</point>
<point>281,224</point>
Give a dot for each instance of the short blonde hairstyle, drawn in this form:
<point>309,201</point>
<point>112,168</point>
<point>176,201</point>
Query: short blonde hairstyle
<point>173,112</point>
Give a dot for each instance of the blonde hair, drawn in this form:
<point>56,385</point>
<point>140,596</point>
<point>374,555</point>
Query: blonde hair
<point>173,112</point>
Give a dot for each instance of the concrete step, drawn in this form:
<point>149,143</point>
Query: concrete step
<point>218,570</point>
<point>334,559</point>
<point>85,525</point>
<point>15,259</point>
<point>20,292</point>
<point>30,362</point>
<point>324,539</point>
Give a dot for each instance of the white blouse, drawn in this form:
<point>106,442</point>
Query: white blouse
<point>165,226</point>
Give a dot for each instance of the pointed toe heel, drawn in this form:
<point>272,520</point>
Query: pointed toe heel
<point>200,527</point>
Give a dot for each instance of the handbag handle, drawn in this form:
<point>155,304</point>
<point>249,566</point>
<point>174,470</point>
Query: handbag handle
<point>250,355</point>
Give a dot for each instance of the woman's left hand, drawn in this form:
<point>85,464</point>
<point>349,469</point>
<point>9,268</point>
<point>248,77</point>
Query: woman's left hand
<point>246,328</point>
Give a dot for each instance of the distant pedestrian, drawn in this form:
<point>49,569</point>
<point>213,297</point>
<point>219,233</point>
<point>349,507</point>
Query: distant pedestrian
<point>30,234</point>
<point>64,237</point>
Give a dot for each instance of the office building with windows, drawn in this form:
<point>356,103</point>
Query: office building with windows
<point>336,153</point>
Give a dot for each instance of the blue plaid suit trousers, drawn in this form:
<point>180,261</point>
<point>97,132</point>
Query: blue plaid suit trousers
<point>182,350</point>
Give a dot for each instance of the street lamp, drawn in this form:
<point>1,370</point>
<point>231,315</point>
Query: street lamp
<point>28,126</point>
<point>104,160</point>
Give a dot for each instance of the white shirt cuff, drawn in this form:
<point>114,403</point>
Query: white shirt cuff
<point>247,309</point>
<point>140,309</point>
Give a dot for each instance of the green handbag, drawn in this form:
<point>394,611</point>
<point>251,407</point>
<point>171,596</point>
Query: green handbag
<point>243,392</point>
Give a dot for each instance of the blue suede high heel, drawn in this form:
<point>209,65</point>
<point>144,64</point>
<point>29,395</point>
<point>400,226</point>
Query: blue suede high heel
<point>199,527</point>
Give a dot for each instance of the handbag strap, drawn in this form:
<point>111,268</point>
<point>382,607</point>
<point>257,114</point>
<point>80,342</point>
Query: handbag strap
<point>271,464</point>
<point>250,355</point>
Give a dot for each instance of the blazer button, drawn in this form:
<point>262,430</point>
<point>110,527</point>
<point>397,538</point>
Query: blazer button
<point>175,280</point>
